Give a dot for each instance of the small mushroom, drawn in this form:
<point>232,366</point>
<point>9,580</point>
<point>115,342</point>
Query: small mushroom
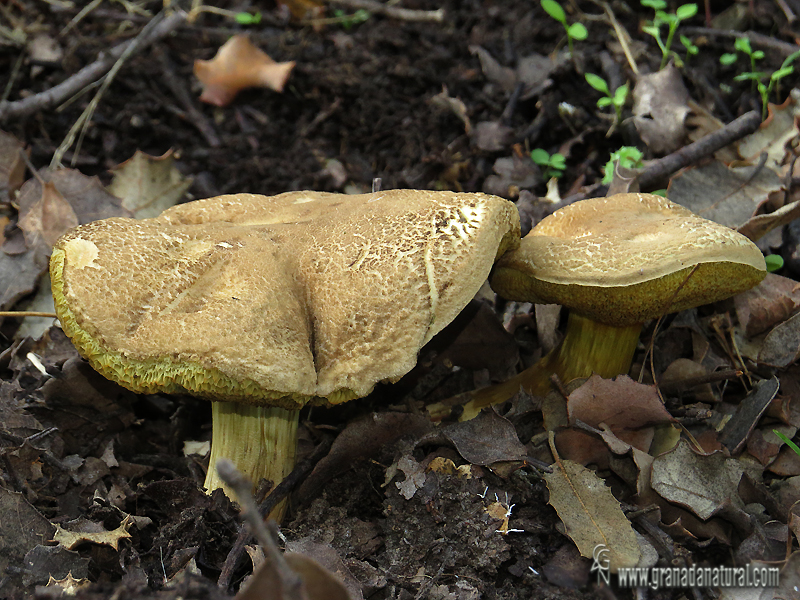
<point>264,304</point>
<point>617,262</point>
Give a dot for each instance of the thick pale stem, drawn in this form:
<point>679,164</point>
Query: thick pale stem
<point>588,347</point>
<point>260,440</point>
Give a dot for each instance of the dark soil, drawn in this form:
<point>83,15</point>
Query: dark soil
<point>362,96</point>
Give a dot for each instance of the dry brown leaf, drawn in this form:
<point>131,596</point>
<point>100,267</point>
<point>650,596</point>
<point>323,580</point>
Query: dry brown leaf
<point>237,65</point>
<point>69,586</point>
<point>774,136</point>
<point>760,225</point>
<point>486,439</point>
<point>148,185</point>
<point>705,484</point>
<point>82,530</point>
<point>12,165</point>
<point>660,107</point>
<point>302,9</point>
<point>729,196</point>
<point>781,347</point>
<point>48,217</point>
<point>318,583</point>
<point>772,301</point>
<point>591,515</point>
<point>626,407</point>
<point>505,77</point>
<point>447,102</point>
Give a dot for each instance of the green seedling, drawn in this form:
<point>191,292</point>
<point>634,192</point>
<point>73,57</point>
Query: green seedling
<point>617,99</point>
<point>553,164</point>
<point>671,20</point>
<point>787,441</point>
<point>691,49</point>
<point>774,262</point>
<point>245,18</point>
<point>758,77</point>
<point>576,31</point>
<point>629,157</point>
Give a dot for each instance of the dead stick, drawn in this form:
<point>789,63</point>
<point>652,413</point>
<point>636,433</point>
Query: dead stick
<point>290,581</point>
<point>403,14</point>
<point>663,167</point>
<point>282,490</point>
<point>758,39</point>
<point>87,75</point>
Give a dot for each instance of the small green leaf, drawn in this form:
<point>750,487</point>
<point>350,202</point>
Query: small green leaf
<point>747,76</point>
<point>553,8</point>
<point>620,94</point>
<point>577,31</point>
<point>781,73</point>
<point>742,44</point>
<point>540,156</point>
<point>687,11</point>
<point>557,161</point>
<point>651,30</point>
<point>604,101</point>
<point>597,83</point>
<point>728,59</point>
<point>774,262</point>
<point>787,441</point>
<point>758,55</point>
<point>245,18</point>
<point>655,4</point>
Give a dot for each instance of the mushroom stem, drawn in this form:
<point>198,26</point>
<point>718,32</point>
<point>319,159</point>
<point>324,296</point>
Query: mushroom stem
<point>260,440</point>
<point>588,347</point>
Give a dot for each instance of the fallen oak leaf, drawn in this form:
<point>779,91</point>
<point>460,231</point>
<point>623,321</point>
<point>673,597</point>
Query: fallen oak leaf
<point>83,530</point>
<point>237,65</point>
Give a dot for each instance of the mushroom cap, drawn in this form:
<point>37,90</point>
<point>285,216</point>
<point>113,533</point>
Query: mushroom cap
<point>627,258</point>
<point>276,300</point>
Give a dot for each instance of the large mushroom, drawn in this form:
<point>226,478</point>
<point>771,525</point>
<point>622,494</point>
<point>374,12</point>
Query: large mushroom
<point>264,304</point>
<point>616,262</point>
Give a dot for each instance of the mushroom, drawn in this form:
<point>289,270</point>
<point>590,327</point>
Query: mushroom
<point>616,262</point>
<point>264,304</point>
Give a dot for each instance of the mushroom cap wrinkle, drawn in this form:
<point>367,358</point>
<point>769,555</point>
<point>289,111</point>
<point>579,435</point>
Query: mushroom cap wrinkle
<point>627,258</point>
<point>276,300</point>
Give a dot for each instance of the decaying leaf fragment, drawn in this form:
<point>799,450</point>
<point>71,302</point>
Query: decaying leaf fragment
<point>237,65</point>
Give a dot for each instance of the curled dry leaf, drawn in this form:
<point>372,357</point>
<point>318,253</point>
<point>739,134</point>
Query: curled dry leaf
<point>237,65</point>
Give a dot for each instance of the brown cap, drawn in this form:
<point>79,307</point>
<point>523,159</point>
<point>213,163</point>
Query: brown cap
<point>274,300</point>
<point>619,260</point>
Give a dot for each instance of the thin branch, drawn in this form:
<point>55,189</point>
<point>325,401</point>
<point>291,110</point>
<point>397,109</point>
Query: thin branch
<point>688,155</point>
<point>87,75</point>
<point>403,14</point>
<point>757,39</point>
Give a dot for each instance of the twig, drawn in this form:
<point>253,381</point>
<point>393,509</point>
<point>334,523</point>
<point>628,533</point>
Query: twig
<point>195,117</point>
<point>757,39</point>
<point>283,489</point>
<point>26,313</point>
<point>291,583</point>
<point>735,130</point>
<point>403,14</point>
<point>88,74</point>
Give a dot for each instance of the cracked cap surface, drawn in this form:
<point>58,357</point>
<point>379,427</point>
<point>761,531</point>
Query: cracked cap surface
<point>625,259</point>
<point>276,300</point>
